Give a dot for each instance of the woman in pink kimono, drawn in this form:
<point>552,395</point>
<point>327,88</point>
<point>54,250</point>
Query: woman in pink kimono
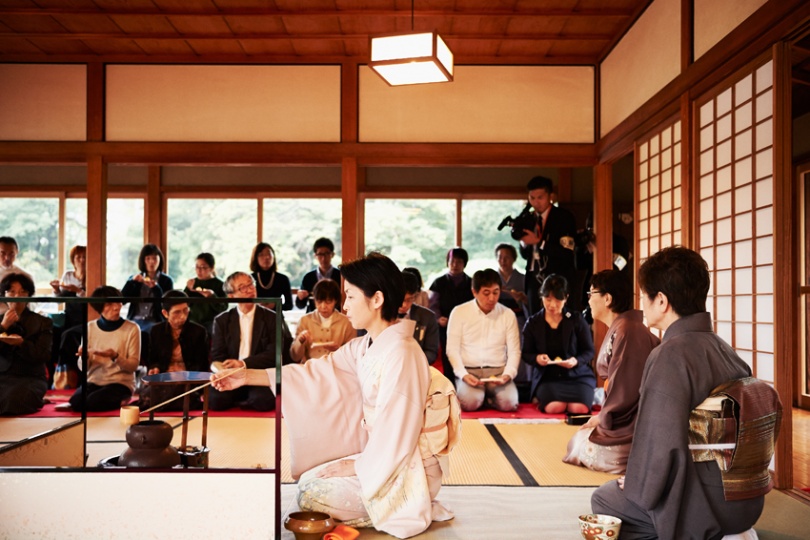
<point>364,461</point>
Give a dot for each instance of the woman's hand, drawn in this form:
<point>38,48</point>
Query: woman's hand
<point>331,346</point>
<point>104,353</point>
<point>302,294</point>
<point>343,467</point>
<point>71,288</point>
<point>570,363</point>
<point>304,338</point>
<point>138,278</point>
<point>620,480</point>
<point>592,422</point>
<point>55,285</point>
<point>190,284</point>
<point>10,317</point>
<point>442,321</point>
<point>543,360</point>
<point>229,379</point>
<point>153,371</point>
<point>519,296</point>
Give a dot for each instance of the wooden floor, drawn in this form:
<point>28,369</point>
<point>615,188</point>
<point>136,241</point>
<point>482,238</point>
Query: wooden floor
<point>801,448</point>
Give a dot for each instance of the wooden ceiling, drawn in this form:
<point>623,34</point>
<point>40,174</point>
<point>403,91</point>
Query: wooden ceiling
<point>578,32</point>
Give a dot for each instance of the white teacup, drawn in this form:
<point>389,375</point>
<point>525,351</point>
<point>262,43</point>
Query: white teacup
<point>599,527</point>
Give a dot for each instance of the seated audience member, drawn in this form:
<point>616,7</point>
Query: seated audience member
<point>483,344</point>
<point>665,493</point>
<point>269,282</point>
<point>72,284</point>
<point>512,283</point>
<point>245,336</point>
<point>113,355</point>
<point>421,298</point>
<point>177,344</point>
<point>8,254</point>
<point>446,292</point>
<point>603,443</point>
<point>557,344</point>
<point>325,329</point>
<point>427,329</point>
<point>324,250</point>
<point>206,285</point>
<point>25,349</point>
<point>149,282</point>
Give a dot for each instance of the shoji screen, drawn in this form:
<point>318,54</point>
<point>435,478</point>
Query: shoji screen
<point>735,212</point>
<point>659,191</point>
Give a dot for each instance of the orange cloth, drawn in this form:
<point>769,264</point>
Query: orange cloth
<point>342,532</point>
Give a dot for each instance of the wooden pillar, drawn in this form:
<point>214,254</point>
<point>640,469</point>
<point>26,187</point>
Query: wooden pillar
<point>786,264</point>
<point>155,229</point>
<point>95,102</point>
<point>96,222</point>
<point>352,181</point>
<point>603,228</point>
<point>688,175</point>
<point>564,185</point>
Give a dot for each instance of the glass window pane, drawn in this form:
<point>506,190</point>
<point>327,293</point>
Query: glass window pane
<point>125,220</point>
<point>75,226</point>
<point>34,224</point>
<point>480,234</point>
<point>225,228</point>
<point>413,232</point>
<point>293,243</point>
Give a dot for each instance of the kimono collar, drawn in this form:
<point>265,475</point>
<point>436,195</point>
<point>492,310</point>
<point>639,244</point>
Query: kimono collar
<point>631,315</point>
<point>402,327</point>
<point>698,322</point>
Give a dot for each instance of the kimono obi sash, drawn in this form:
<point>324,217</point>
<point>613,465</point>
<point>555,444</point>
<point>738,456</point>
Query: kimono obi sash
<point>441,428</point>
<point>737,427</point>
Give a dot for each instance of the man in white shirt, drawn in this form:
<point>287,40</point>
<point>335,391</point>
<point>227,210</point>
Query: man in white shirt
<point>483,345</point>
<point>246,336</point>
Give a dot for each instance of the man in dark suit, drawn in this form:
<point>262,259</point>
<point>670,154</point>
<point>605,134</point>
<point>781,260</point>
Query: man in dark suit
<point>324,250</point>
<point>245,336</point>
<point>176,344</point>
<point>25,349</point>
<point>549,247</point>
<point>427,329</point>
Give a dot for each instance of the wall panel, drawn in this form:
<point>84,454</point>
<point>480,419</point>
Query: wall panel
<point>223,103</point>
<point>714,19</point>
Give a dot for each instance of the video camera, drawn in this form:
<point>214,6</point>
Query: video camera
<point>524,220</point>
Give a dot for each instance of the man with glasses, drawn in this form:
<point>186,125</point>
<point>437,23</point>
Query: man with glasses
<point>245,336</point>
<point>25,349</point>
<point>324,250</point>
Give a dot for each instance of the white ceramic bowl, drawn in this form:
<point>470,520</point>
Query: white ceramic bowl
<point>599,527</point>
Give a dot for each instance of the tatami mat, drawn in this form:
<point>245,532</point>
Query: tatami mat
<point>16,429</point>
<point>478,460</point>
<point>541,449</point>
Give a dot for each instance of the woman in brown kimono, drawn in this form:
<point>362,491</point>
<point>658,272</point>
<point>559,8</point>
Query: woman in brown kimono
<point>603,443</point>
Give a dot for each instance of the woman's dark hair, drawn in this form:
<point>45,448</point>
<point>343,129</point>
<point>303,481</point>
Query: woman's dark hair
<point>376,272</point>
<point>485,278</point>
<point>150,249</point>
<point>508,247</point>
<point>618,286</point>
<point>325,290</point>
<point>554,285</point>
<point>254,257</point>
<point>323,242</point>
<point>458,253</point>
<point>417,273</point>
<point>105,291</point>
<point>411,282</point>
<point>24,281</point>
<point>681,275</point>
<point>207,258</point>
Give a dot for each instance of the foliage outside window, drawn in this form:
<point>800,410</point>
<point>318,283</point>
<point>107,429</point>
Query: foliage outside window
<point>226,228</point>
<point>34,224</point>
<point>292,225</point>
<point>125,233</point>
<point>480,234</point>
<point>412,232</point>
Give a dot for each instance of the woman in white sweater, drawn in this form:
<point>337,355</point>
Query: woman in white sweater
<point>113,355</point>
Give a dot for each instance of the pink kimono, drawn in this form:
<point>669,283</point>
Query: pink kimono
<point>366,401</point>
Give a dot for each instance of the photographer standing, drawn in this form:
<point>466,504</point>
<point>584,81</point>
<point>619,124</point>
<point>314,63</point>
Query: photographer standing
<point>548,247</point>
